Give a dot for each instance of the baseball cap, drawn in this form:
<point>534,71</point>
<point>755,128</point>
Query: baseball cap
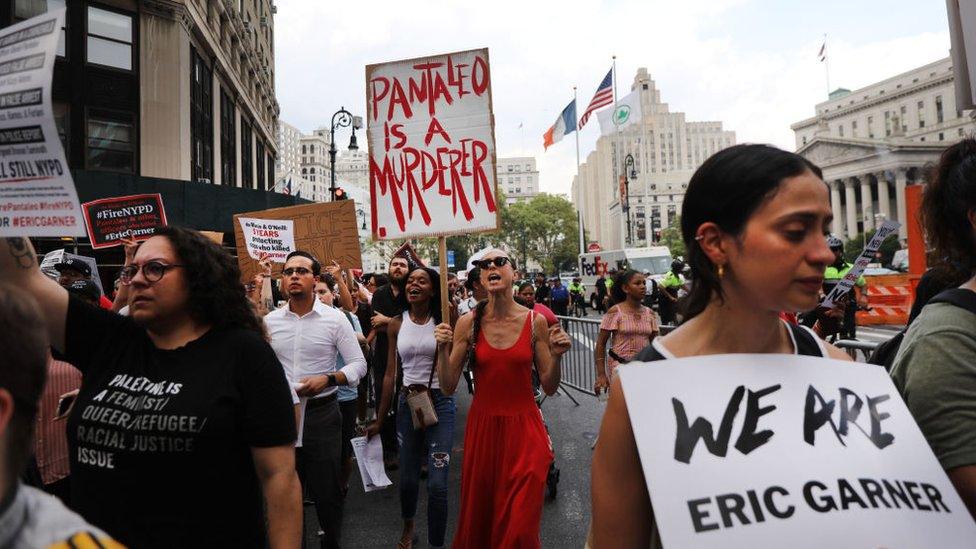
<point>74,264</point>
<point>85,289</point>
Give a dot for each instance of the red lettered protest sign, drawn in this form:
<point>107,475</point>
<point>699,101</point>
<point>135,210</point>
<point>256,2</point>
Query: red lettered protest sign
<point>432,146</point>
<point>109,220</point>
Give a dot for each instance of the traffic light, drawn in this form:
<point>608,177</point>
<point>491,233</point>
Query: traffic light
<point>340,194</point>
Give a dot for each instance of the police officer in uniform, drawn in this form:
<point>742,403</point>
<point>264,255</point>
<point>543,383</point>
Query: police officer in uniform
<point>836,272</point>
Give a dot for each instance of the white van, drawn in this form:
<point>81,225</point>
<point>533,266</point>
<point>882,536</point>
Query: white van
<point>654,259</point>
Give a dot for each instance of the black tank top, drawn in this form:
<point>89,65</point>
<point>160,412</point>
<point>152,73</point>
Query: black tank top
<point>807,344</point>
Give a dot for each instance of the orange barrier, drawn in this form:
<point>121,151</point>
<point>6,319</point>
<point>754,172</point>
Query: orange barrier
<point>890,299</point>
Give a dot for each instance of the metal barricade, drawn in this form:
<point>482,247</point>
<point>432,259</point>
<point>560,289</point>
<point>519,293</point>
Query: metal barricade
<point>852,346</point>
<point>578,364</point>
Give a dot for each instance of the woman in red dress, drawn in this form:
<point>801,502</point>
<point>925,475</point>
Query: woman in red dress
<point>506,447</point>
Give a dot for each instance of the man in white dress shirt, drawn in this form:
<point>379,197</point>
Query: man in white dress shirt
<point>308,336</point>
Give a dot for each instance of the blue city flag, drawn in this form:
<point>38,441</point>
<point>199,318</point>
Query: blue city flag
<point>450,258</point>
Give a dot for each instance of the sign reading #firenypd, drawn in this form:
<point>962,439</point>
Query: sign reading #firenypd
<point>431,146</point>
<point>743,451</point>
<point>37,194</point>
<point>109,220</point>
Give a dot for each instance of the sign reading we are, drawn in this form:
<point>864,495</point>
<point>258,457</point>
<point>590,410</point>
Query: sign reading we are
<point>786,451</point>
<point>432,146</point>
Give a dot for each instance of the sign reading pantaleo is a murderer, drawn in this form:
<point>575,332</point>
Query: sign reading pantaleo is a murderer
<point>37,193</point>
<point>431,138</point>
<point>744,451</point>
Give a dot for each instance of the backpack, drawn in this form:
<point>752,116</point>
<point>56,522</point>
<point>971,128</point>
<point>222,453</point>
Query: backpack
<point>884,354</point>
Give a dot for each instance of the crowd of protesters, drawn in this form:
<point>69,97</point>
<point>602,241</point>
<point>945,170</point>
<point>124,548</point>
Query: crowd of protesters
<point>195,410</point>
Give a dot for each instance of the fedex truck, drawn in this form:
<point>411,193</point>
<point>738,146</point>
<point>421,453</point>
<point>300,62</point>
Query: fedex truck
<point>654,259</point>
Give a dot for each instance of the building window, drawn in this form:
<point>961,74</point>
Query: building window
<point>853,128</point>
<point>938,110</point>
<point>62,119</point>
<point>228,139</point>
<point>840,129</point>
<point>887,123</point>
<point>871,127</point>
<point>110,141</point>
<point>259,155</point>
<point>941,136</point>
<point>109,38</point>
<point>25,9</point>
<point>921,114</point>
<point>201,119</point>
<point>962,132</point>
<point>271,165</point>
<point>247,164</point>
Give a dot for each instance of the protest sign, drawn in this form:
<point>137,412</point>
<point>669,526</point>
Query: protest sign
<point>109,220</point>
<point>786,451</point>
<point>431,139</point>
<point>273,237</point>
<point>37,194</point>
<point>867,256</point>
<point>327,230</point>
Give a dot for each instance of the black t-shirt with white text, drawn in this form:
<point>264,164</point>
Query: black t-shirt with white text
<point>160,440</point>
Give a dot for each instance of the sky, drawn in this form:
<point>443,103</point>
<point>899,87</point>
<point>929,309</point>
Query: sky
<point>751,64</point>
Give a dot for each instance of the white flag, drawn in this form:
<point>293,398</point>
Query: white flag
<point>626,111</point>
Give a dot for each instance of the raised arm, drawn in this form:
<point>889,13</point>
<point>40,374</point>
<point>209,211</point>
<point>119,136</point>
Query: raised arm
<point>456,341</point>
<point>20,267</point>
<point>550,345</point>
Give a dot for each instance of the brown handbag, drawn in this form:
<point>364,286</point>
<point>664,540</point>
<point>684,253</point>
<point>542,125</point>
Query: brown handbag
<point>421,404</point>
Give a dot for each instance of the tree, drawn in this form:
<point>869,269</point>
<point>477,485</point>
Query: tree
<point>854,246</point>
<point>543,229</point>
<point>671,237</point>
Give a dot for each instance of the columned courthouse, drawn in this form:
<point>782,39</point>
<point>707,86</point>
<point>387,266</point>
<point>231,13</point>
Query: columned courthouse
<point>875,141</point>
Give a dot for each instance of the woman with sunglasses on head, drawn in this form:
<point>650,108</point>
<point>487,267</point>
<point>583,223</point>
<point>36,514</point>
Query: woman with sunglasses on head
<point>631,325</point>
<point>754,221</point>
<point>184,419</point>
<point>506,447</point>
<point>412,342</point>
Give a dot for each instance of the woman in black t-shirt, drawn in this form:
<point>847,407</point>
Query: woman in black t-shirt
<point>753,222</point>
<point>184,420</point>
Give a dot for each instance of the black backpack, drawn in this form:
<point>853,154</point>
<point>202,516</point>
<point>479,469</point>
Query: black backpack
<point>884,354</point>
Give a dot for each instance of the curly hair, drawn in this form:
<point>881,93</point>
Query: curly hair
<point>946,202</point>
<point>217,296</point>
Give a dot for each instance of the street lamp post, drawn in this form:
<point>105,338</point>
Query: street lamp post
<point>342,118</point>
<point>631,173</point>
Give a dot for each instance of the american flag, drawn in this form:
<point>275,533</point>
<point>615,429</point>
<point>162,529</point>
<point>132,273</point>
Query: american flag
<point>602,98</point>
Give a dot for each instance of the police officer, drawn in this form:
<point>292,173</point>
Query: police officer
<point>836,272</point>
<point>576,293</point>
<point>668,293</point>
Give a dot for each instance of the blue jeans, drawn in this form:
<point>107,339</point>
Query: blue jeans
<point>433,446</point>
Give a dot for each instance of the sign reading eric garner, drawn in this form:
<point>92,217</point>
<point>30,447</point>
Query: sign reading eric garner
<point>37,194</point>
<point>786,451</point>
<point>431,139</point>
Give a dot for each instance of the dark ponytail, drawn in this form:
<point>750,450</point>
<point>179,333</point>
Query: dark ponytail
<point>726,190</point>
<point>617,290</point>
<point>479,313</point>
<point>947,200</point>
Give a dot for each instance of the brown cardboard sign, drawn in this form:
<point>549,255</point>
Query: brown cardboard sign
<point>326,230</point>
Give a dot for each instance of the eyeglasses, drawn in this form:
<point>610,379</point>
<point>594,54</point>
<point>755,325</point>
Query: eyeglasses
<point>496,261</point>
<point>302,271</point>
<point>153,271</point>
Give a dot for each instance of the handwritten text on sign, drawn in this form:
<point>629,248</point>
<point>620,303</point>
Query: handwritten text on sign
<point>432,146</point>
<point>785,451</point>
<point>275,237</point>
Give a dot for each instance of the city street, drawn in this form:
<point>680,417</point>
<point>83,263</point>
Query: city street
<point>373,520</point>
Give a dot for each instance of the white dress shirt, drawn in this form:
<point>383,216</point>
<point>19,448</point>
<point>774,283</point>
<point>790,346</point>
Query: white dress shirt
<point>308,345</point>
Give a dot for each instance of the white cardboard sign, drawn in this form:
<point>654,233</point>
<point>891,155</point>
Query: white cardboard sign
<point>275,237</point>
<point>431,146</point>
<point>37,193</point>
<point>744,451</point>
<point>867,256</point>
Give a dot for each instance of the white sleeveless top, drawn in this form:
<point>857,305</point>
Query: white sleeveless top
<point>417,348</point>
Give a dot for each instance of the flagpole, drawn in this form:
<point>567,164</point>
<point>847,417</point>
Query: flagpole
<point>580,201</point>
<point>644,164</point>
<point>616,149</point>
<point>826,65</point>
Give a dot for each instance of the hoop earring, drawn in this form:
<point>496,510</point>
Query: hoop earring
<point>721,271</point>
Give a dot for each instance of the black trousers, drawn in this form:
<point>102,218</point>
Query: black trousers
<point>318,462</point>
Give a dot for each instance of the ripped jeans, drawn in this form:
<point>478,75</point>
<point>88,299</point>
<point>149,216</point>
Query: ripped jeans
<point>432,445</point>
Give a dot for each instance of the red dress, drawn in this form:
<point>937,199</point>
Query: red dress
<point>506,451</point>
